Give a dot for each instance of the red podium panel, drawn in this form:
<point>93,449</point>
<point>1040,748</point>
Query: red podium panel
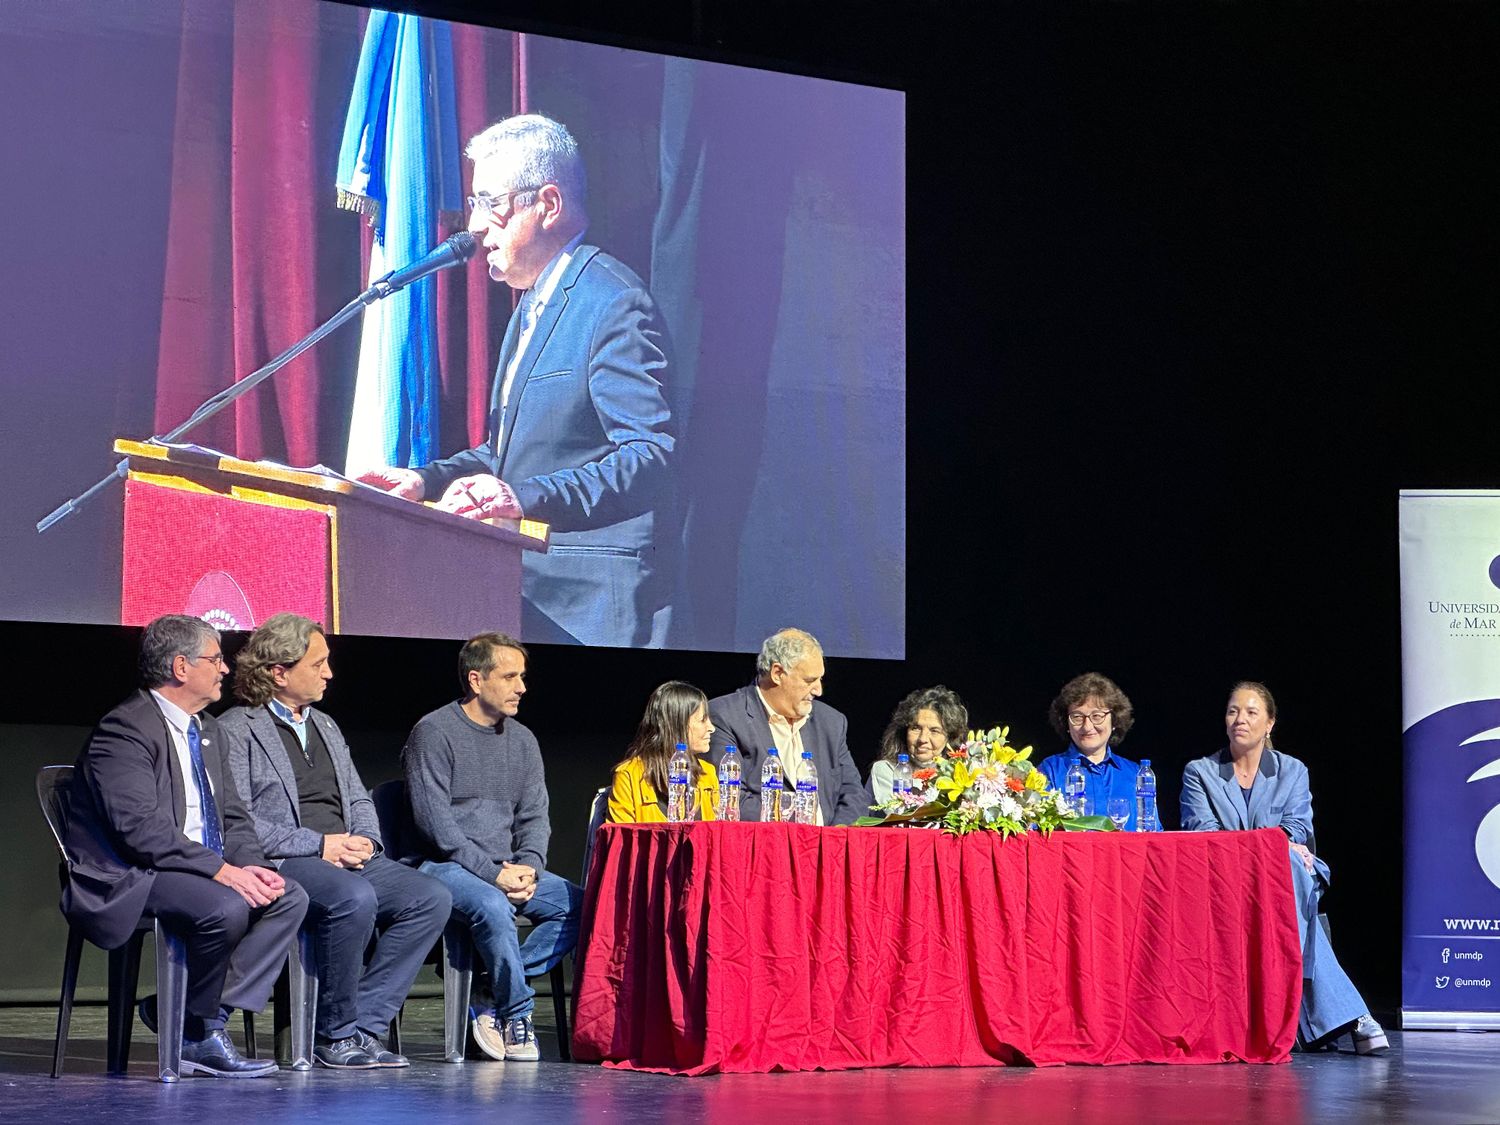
<point>229,561</point>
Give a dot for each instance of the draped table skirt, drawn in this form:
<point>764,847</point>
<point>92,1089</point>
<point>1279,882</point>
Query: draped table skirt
<point>757,947</point>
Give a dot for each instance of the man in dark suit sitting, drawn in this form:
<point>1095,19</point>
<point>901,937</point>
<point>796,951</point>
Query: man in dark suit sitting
<point>316,821</point>
<point>154,823</point>
<point>781,708</point>
<point>580,435</point>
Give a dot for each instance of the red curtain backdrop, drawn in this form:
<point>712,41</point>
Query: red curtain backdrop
<point>258,252</point>
<point>751,947</point>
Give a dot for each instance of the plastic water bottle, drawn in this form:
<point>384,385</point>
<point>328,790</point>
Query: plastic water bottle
<point>679,778</point>
<point>729,783</point>
<point>1076,786</point>
<point>805,804</point>
<point>772,782</point>
<point>1145,799</point>
<point>901,782</point>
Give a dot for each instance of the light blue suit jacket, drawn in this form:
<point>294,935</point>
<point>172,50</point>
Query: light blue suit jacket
<point>1280,798</point>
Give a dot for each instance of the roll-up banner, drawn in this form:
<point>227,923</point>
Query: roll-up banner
<point>1450,696</point>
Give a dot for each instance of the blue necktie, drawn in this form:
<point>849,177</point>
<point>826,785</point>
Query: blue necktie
<point>213,838</point>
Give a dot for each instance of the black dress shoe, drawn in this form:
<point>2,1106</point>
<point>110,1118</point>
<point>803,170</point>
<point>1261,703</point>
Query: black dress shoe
<point>216,1057</point>
<point>344,1054</point>
<point>378,1051</point>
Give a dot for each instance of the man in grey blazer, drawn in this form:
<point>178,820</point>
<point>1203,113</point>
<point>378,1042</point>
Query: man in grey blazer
<point>580,434</point>
<point>317,823</point>
<point>782,709</point>
<point>154,823</point>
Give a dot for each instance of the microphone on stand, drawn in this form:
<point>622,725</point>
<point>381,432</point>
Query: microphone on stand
<point>454,250</point>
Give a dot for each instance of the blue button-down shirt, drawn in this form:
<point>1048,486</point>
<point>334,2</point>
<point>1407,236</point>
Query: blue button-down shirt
<point>299,726</point>
<point>1112,777</point>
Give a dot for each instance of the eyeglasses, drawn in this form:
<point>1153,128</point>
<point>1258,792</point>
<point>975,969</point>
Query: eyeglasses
<point>1076,719</point>
<point>486,206</point>
<point>216,657</point>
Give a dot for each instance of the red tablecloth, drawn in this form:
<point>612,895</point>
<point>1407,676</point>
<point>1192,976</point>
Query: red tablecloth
<point>757,947</point>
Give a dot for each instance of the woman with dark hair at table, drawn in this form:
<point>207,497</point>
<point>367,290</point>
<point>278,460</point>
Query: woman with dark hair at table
<point>1250,785</point>
<point>676,712</point>
<point>923,725</point>
<point>1094,716</point>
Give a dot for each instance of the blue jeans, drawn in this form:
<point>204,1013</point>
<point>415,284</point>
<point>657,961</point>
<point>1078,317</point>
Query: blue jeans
<point>491,917</point>
<point>1329,998</point>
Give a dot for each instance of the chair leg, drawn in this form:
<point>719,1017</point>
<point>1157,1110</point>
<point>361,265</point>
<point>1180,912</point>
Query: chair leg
<point>252,1046</point>
<point>124,974</point>
<point>281,1017</point>
<point>171,998</point>
<point>560,1010</point>
<point>302,997</point>
<point>395,1032</point>
<point>458,982</point>
<point>65,998</point>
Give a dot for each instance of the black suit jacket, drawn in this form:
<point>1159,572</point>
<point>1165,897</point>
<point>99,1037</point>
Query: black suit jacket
<point>740,718</point>
<point>124,820</point>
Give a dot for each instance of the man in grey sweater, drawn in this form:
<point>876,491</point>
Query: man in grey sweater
<point>479,804</point>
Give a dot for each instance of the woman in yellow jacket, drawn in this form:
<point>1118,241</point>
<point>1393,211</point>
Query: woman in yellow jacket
<point>676,712</point>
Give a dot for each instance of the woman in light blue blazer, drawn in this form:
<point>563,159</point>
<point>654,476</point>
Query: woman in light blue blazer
<point>1250,785</point>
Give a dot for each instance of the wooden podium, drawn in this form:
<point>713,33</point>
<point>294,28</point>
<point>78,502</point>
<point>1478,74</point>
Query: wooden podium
<point>236,541</point>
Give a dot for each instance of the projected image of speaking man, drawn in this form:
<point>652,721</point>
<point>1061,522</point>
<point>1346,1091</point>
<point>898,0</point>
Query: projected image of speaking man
<point>580,433</point>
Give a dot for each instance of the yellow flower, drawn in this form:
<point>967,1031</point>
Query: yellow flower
<point>1023,755</point>
<point>1036,781</point>
<point>962,778</point>
<point>1004,755</point>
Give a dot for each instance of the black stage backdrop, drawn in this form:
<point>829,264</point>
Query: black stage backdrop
<point>1192,293</point>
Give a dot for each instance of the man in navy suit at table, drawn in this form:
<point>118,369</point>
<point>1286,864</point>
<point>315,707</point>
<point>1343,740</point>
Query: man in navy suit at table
<point>155,823</point>
<point>580,434</point>
<point>782,709</point>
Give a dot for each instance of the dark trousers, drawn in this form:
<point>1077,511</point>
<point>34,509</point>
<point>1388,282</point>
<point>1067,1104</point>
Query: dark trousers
<point>405,907</point>
<point>235,951</point>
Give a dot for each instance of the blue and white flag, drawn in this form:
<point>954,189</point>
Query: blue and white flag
<point>399,165</point>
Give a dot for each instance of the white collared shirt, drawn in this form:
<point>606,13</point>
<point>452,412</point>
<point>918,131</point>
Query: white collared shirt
<point>177,727</point>
<point>788,738</point>
<point>537,297</point>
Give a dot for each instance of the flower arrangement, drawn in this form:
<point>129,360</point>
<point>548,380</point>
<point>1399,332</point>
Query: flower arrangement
<point>984,785</point>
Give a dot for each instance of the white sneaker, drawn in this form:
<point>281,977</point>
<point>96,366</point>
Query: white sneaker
<point>1369,1037</point>
<point>520,1040</point>
<point>487,1035</point>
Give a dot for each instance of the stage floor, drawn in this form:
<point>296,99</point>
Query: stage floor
<point>1427,1077</point>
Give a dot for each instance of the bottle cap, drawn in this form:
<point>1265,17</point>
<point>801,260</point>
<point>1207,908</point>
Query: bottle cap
<point>682,746</point>
<point>1145,763</point>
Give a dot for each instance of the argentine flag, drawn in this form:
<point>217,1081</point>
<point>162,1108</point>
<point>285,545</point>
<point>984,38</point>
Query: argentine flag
<point>399,165</point>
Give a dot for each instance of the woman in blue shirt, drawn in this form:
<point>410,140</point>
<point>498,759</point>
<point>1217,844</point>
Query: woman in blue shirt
<point>1094,715</point>
<point>1250,785</point>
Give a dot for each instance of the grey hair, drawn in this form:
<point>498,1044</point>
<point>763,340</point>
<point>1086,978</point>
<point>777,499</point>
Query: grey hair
<point>787,647</point>
<point>167,638</point>
<point>544,149</point>
<point>282,639</point>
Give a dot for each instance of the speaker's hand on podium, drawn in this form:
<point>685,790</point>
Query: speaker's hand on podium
<point>405,483</point>
<point>480,497</point>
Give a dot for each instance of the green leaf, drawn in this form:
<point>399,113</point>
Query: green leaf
<point>1088,824</point>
